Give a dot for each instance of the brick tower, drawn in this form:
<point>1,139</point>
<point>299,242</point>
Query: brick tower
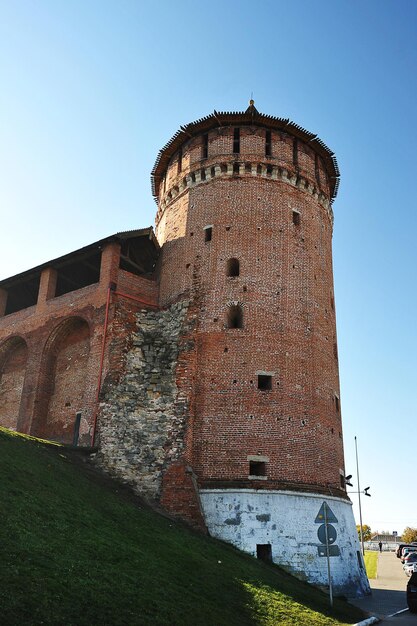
<point>245,224</point>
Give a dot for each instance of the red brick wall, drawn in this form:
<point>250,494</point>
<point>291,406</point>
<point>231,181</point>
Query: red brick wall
<point>65,384</point>
<point>59,376</point>
<point>12,374</point>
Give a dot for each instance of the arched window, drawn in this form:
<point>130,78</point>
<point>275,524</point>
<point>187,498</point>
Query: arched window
<point>235,316</point>
<point>233,267</point>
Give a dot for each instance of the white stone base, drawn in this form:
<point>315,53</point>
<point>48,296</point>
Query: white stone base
<point>289,521</point>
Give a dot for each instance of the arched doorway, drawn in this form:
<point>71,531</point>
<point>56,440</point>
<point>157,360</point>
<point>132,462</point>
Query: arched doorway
<point>13,359</point>
<point>61,394</point>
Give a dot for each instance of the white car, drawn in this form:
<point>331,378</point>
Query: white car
<point>409,568</point>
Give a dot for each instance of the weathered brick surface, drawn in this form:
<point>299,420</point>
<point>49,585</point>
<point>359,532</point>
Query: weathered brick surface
<point>142,419</point>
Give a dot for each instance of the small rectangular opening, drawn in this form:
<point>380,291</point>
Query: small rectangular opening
<point>208,233</point>
<point>179,160</point>
<point>236,168</point>
<point>264,382</point>
<point>268,150</point>
<point>257,468</point>
<point>264,552</point>
<point>236,140</point>
<point>296,218</point>
<point>204,151</point>
<point>337,403</point>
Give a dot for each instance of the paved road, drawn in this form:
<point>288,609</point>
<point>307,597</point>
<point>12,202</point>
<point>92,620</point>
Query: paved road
<point>388,592</point>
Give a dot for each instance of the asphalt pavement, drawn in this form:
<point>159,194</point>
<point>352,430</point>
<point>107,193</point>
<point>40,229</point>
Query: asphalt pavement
<point>388,600</point>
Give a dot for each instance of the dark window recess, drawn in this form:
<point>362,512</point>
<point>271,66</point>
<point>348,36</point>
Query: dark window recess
<point>22,295</point>
<point>337,403</point>
<point>257,468</point>
<point>248,168</point>
<point>236,168</point>
<point>233,267</point>
<point>296,218</point>
<point>295,153</point>
<point>235,316</point>
<point>179,160</point>
<point>269,170</point>
<point>268,145</point>
<point>208,233</point>
<point>213,172</point>
<point>264,382</point>
<point>317,169</point>
<point>264,552</point>
<point>204,151</point>
<point>78,274</point>
<point>203,174</point>
<point>236,140</point>
<point>137,256</point>
<point>332,302</point>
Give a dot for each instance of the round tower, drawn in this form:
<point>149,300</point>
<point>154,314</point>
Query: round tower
<point>245,223</point>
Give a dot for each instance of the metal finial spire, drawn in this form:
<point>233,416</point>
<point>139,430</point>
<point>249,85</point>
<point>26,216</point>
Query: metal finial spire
<point>251,108</point>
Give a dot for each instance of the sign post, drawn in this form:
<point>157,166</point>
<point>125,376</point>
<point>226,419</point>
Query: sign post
<point>328,555</point>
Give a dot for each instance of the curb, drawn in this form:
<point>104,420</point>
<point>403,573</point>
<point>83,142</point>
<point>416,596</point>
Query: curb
<point>369,620</point>
<point>375,620</point>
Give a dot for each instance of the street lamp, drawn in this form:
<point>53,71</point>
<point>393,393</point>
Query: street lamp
<point>365,492</point>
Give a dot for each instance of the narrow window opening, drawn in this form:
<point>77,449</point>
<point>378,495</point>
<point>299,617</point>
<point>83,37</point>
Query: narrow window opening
<point>193,177</point>
<point>248,168</point>
<point>233,267</point>
<point>236,168</point>
<point>268,150</point>
<point>213,172</point>
<point>264,552</point>
<point>259,171</point>
<point>235,317</point>
<point>257,468</point>
<point>269,170</point>
<point>296,218</point>
<point>208,233</point>
<point>179,160</point>
<point>337,403</point>
<point>205,146</point>
<point>332,302</point>
<point>223,168</point>
<point>203,174</point>
<point>264,382</point>
<point>295,153</point>
<point>236,140</point>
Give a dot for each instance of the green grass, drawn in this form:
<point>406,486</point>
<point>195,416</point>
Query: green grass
<point>77,551</point>
<point>371,563</point>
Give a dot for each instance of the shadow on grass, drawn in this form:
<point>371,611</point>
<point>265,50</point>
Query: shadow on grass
<point>74,553</point>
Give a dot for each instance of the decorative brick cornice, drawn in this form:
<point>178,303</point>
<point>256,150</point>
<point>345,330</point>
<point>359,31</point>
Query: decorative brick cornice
<point>226,169</point>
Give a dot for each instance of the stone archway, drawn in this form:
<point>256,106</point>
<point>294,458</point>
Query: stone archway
<point>13,359</point>
<point>63,382</point>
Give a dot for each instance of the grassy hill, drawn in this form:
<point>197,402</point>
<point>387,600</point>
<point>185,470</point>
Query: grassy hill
<point>76,550</point>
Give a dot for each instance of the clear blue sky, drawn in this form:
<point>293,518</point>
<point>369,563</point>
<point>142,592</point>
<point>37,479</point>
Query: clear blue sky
<point>90,90</point>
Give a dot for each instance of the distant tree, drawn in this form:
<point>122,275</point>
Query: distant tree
<point>366,531</point>
<point>409,535</point>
